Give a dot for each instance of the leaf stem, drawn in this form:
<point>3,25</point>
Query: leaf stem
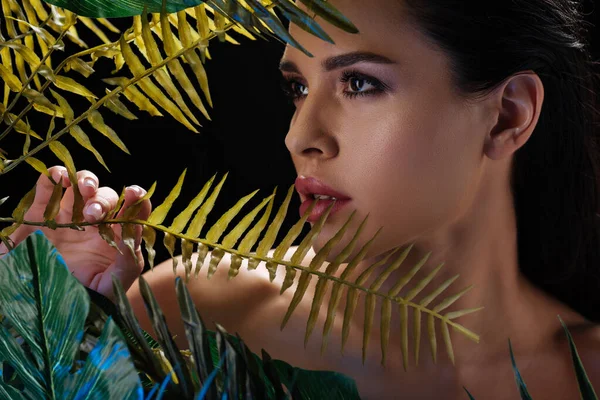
<point>394,299</point>
<point>30,78</point>
<point>96,105</point>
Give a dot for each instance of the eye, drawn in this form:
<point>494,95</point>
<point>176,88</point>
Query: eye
<point>361,85</point>
<point>356,84</point>
<point>293,89</point>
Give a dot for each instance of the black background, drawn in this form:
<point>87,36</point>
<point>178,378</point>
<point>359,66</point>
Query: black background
<point>245,137</point>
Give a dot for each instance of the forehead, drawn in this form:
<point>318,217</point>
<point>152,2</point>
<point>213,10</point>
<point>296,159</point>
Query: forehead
<point>382,26</point>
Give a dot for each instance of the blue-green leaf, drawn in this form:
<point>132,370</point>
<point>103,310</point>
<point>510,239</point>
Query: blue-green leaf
<point>469,394</point>
<point>45,309</point>
<point>520,383</point>
<point>585,386</point>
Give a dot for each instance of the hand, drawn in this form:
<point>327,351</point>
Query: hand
<point>89,258</point>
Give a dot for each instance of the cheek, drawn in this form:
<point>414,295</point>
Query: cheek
<point>413,174</point>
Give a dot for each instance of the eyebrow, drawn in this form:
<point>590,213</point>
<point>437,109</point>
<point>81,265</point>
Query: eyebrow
<point>341,61</point>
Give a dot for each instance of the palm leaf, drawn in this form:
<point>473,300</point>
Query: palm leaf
<point>39,297</point>
<point>368,283</point>
<point>152,87</point>
<point>154,74</point>
<point>390,300</point>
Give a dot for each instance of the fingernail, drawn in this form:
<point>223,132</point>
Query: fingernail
<point>137,190</point>
<point>89,182</point>
<point>95,211</point>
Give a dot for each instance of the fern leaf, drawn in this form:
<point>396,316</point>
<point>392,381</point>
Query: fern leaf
<point>82,138</point>
<point>32,60</point>
<point>460,313</point>
<point>336,294</point>
<point>132,94</point>
<point>78,134</point>
<point>316,262</point>
<point>352,297</point>
<point>161,75</point>
<point>403,335</point>
<point>417,289</point>
<point>447,302</point>
<point>386,318</point>
<point>231,239</point>
<point>250,239</point>
<point>190,56</point>
<point>11,80</point>
<point>94,28</point>
<point>53,206</point>
<point>417,333</point>
<point>19,212</point>
<point>447,341</point>
<point>432,338</point>
<point>160,213</point>
<point>39,99</point>
<point>77,64</point>
<point>181,221</point>
<point>107,233</point>
<point>136,67</point>
<point>267,242</point>
<point>176,68</point>
<point>19,125</point>
<point>287,242</point>
<point>10,25</point>
<point>215,232</point>
<point>38,165</point>
<point>200,218</point>
<point>70,85</point>
<point>63,154</point>
<point>107,24</point>
<point>95,119</point>
<point>115,105</point>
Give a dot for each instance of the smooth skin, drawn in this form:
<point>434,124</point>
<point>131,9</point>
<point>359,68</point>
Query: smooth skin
<point>433,169</point>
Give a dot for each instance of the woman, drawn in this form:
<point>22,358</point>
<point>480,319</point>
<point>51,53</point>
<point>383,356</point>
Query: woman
<point>465,127</point>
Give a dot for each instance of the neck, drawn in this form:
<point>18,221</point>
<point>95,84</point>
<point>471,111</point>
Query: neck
<point>481,247</point>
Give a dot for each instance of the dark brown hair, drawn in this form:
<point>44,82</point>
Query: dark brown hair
<point>555,175</point>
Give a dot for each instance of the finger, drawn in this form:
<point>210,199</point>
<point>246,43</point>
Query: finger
<point>88,183</point>
<point>127,266</point>
<point>132,195</point>
<point>44,186</point>
<point>98,206</point>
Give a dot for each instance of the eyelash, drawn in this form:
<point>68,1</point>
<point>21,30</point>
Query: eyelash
<point>347,76</point>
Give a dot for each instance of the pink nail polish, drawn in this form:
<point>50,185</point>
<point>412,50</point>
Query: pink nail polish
<point>89,182</point>
<point>94,210</point>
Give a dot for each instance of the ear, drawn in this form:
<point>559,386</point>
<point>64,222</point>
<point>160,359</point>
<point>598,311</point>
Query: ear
<point>517,104</point>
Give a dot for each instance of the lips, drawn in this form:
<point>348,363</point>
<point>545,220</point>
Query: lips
<point>308,187</point>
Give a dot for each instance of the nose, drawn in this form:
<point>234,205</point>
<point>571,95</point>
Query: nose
<point>311,132</point>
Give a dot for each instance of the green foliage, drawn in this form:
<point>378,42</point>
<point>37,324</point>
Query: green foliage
<point>44,309</point>
<point>160,42</point>
<point>99,345</point>
<point>99,348</point>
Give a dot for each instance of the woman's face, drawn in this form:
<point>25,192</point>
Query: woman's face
<point>389,132</point>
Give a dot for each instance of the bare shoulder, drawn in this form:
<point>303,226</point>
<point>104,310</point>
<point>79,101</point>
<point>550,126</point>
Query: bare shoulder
<point>230,302</point>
